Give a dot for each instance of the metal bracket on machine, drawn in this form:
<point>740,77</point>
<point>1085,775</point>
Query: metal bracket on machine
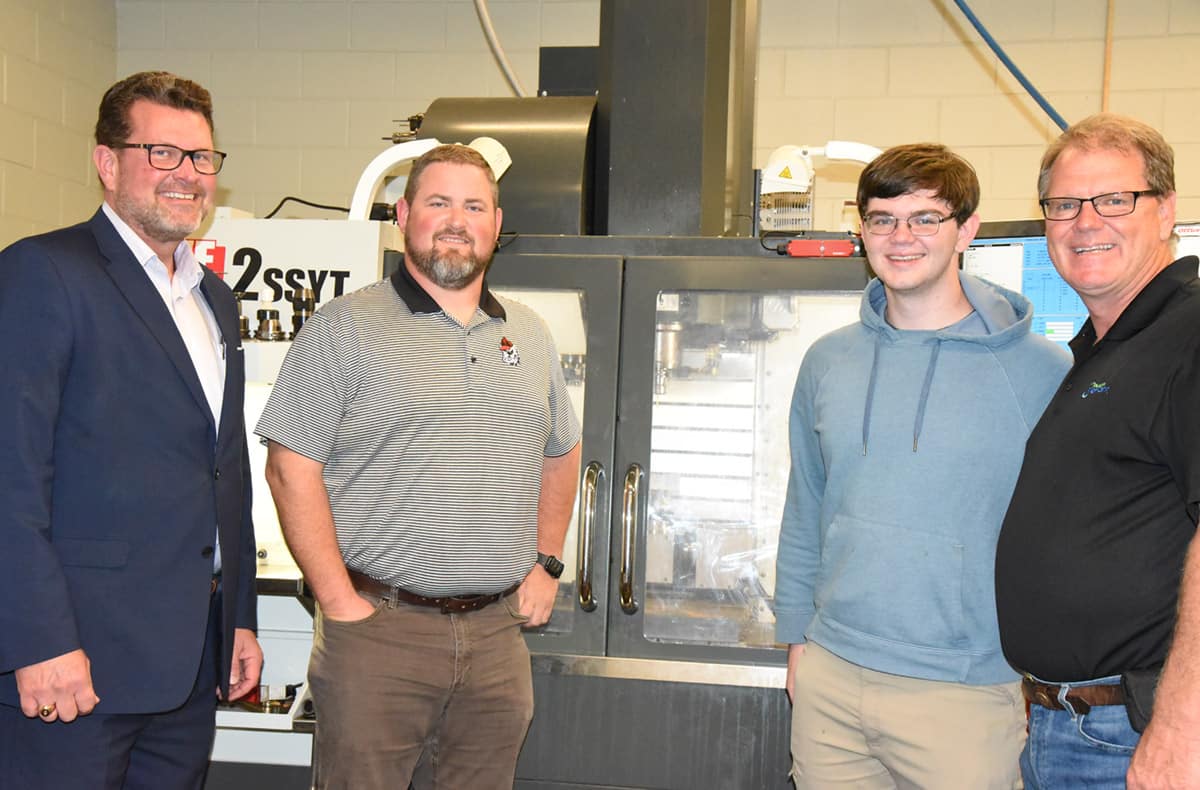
<point>374,173</point>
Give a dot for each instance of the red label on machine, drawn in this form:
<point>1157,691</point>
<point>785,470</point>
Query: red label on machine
<point>209,253</point>
<point>823,248</point>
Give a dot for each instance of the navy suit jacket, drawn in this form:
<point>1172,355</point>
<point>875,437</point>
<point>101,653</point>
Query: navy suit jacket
<point>114,479</point>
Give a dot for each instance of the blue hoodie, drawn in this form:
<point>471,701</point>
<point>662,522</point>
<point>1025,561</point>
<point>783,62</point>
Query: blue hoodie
<point>905,447</point>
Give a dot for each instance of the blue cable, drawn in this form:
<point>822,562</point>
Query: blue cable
<point>1012,67</point>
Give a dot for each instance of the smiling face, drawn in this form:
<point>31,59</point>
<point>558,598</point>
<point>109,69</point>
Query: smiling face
<point>917,266</point>
<point>162,206</point>
<point>451,225</point>
<point>1108,260</point>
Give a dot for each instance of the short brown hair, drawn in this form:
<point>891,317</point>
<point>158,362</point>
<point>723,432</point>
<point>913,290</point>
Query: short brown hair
<point>455,154</point>
<point>905,169</point>
<point>1112,132</point>
<point>160,87</point>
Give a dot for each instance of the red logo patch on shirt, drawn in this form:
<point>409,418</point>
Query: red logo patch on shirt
<point>508,352</point>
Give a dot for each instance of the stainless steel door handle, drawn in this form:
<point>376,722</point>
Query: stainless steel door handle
<point>593,478</point>
<point>629,514</point>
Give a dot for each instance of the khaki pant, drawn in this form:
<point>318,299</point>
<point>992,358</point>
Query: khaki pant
<point>856,728</point>
<point>411,694</point>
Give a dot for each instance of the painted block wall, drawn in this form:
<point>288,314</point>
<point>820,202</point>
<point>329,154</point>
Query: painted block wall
<point>56,59</point>
<point>905,70</point>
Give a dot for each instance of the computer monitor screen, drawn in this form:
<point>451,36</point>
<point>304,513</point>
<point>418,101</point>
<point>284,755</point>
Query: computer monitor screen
<point>1013,254</point>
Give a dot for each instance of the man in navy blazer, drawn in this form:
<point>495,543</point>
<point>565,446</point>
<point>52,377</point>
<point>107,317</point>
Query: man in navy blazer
<point>126,546</point>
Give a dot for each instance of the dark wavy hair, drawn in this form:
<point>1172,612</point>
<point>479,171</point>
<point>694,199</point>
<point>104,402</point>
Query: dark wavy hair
<point>904,169</point>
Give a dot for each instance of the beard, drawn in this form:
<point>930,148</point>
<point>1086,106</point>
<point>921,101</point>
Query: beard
<point>160,222</point>
<point>449,269</point>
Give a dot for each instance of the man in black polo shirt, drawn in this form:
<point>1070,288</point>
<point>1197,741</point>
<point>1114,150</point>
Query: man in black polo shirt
<point>1097,580</point>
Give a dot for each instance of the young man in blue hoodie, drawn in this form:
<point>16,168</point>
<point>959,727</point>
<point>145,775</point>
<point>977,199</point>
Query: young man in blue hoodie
<point>907,431</point>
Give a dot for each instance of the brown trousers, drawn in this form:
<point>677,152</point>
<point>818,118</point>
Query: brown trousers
<point>411,694</point>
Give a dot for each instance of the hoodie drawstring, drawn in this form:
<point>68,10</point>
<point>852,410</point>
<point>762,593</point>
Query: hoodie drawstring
<point>920,419</point>
<point>937,348</point>
<point>870,395</point>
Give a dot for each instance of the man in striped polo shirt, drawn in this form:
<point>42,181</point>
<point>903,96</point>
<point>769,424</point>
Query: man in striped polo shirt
<point>424,459</point>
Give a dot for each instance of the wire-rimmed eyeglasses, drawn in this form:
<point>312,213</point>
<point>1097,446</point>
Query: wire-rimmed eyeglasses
<point>169,157</point>
<point>1110,204</point>
<point>925,223</point>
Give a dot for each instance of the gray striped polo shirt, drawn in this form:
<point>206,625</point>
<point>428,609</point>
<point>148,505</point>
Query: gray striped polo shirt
<point>432,434</point>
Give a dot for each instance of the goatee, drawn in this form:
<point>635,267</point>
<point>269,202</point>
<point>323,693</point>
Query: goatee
<point>451,270</point>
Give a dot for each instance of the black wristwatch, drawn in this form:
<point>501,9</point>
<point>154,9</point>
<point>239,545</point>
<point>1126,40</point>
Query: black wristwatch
<point>552,564</point>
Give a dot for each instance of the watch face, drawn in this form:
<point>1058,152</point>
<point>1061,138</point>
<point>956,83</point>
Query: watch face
<point>553,565</point>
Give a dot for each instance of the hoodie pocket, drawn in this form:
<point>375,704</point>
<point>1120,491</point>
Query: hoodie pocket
<point>892,582</point>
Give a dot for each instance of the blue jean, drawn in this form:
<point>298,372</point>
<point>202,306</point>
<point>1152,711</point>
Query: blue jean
<point>1069,750</point>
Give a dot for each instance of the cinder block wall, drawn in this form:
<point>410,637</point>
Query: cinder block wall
<point>56,59</point>
<point>904,70</point>
<point>305,90</point>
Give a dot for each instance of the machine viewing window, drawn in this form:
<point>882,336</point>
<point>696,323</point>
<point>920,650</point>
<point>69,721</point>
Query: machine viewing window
<point>725,368</point>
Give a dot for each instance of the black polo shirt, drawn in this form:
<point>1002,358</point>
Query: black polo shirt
<point>1091,553</point>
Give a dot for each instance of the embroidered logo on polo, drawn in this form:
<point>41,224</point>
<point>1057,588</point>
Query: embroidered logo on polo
<point>508,352</point>
<point>1097,388</point>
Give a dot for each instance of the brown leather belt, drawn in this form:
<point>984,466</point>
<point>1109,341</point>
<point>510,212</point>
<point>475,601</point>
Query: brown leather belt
<point>1082,698</point>
<point>450,604</point>
<point>216,582</point>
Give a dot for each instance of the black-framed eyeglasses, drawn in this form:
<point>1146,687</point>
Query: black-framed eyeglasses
<point>169,157</point>
<point>1110,204</point>
<point>925,223</point>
